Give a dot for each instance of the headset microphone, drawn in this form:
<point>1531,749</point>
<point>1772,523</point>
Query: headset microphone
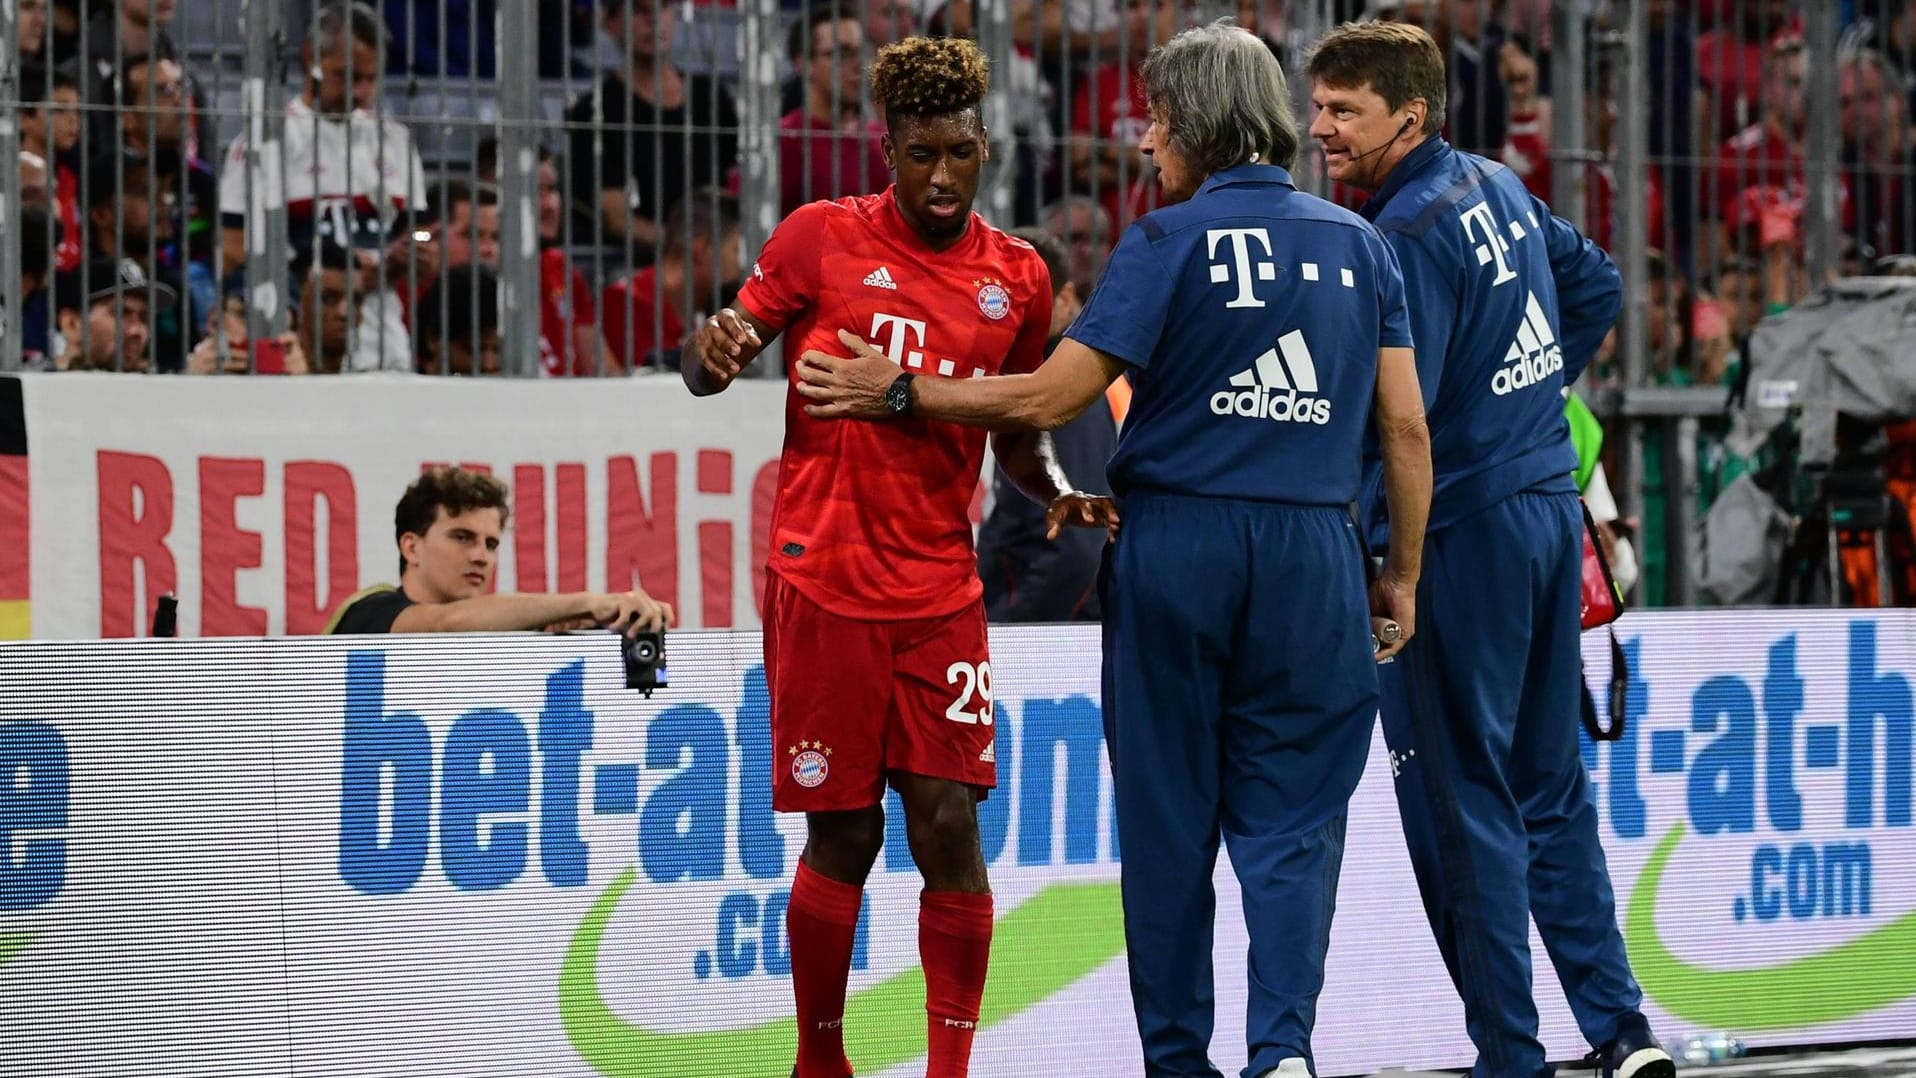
<point>1409,121</point>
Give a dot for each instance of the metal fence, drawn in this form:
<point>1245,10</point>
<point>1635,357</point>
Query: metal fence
<point>561,187</point>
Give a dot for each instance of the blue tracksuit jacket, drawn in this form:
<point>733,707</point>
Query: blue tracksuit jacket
<point>1470,237</point>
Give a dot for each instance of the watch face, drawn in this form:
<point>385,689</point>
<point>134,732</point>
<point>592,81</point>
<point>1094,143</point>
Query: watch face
<point>898,397</point>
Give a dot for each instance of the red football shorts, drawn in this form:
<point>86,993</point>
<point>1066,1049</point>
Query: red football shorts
<point>853,700</point>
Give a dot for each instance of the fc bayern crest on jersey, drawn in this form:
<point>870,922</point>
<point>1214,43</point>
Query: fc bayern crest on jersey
<point>993,300</point>
<point>811,763</point>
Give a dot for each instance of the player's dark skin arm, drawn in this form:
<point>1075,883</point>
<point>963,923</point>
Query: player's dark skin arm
<point>1030,461</point>
<point>723,346</point>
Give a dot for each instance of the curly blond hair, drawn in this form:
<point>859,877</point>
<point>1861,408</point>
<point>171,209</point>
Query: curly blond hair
<point>929,76</point>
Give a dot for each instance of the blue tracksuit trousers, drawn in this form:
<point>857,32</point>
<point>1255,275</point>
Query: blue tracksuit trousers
<point>1480,713</point>
<point>1239,695</point>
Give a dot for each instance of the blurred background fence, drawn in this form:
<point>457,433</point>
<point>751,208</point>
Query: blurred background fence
<point>558,188</point>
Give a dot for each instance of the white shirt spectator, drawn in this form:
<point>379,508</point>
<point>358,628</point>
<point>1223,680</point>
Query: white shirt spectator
<point>360,172</point>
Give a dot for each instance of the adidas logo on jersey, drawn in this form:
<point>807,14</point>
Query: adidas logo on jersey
<point>1533,357</point>
<point>881,278</point>
<point>1268,391</point>
<point>990,755</point>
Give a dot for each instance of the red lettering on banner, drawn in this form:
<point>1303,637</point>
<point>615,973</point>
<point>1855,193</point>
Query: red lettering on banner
<point>133,533</point>
<point>529,526</point>
<point>307,483</point>
<point>715,471</point>
<point>225,548</point>
<point>715,573</point>
<point>764,498</point>
<point>641,547</point>
<point>569,484</point>
<point>715,543</point>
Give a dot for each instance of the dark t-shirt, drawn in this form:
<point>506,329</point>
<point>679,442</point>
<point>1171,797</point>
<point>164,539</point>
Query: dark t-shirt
<point>654,155</point>
<point>1027,577</point>
<point>371,611</point>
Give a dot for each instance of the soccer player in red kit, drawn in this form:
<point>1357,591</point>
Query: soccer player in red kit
<point>875,647</point>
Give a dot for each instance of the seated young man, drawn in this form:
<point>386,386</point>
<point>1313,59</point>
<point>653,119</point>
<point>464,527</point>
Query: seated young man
<point>448,526</point>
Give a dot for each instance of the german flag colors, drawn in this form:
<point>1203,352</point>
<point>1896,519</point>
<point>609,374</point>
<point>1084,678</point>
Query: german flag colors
<point>16,582</point>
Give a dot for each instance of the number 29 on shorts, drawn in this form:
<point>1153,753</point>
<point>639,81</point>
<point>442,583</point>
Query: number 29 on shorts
<point>976,683</point>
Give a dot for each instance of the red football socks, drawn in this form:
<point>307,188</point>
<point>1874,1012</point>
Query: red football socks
<point>820,922</point>
<point>954,944</point>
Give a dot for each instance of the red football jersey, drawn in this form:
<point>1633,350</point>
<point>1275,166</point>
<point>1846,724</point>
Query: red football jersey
<point>636,329</point>
<point>1527,151</point>
<point>564,304</point>
<point>1758,165</point>
<point>1110,105</point>
<point>872,517</point>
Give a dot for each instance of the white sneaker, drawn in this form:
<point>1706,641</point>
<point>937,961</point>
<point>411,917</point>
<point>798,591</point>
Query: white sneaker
<point>1293,1067</point>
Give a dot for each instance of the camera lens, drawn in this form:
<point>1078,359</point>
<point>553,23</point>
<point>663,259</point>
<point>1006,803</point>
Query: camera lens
<point>645,651</point>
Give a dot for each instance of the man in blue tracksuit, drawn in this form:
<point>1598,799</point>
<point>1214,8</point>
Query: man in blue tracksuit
<point>1262,329</point>
<point>1507,304</point>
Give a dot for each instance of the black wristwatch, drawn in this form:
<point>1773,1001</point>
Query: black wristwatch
<point>898,397</point>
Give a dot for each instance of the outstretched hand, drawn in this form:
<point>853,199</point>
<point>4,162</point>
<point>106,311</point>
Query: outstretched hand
<point>842,387</point>
<point>1079,510</point>
<point>632,612</point>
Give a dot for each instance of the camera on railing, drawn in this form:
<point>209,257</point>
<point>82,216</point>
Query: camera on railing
<point>644,655</point>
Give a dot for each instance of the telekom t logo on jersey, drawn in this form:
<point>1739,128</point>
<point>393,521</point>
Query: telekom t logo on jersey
<point>901,328</point>
<point>1238,264</point>
<point>902,338</point>
<point>1480,225</point>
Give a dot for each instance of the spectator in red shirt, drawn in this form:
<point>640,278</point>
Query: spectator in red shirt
<point>568,310</point>
<point>828,146</point>
<point>50,129</point>
<point>1108,118</point>
<point>1600,180</point>
<point>1526,149</point>
<point>569,340</point>
<point>1730,60</point>
<point>1759,171</point>
<point>646,314</point>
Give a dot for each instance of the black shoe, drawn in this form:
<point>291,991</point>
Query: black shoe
<point>1634,1053</point>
